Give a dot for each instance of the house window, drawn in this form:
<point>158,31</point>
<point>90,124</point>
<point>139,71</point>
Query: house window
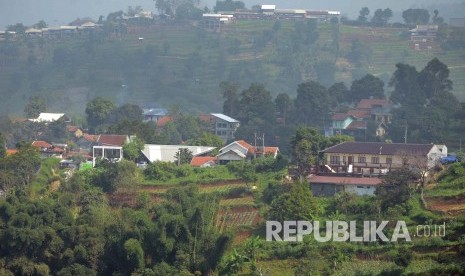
<point>334,159</point>
<point>361,159</point>
<point>375,160</point>
<point>221,125</point>
<point>388,160</point>
<point>343,159</point>
<point>360,187</point>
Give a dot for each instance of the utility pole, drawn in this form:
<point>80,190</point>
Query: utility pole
<point>405,132</point>
<point>255,145</point>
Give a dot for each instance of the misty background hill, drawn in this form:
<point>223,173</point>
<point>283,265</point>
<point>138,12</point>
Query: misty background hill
<point>59,12</point>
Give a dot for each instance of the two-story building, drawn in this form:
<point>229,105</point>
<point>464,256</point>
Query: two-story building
<point>221,125</point>
<point>110,147</point>
<point>378,158</point>
<point>340,122</point>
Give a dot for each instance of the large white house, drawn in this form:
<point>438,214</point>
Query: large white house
<point>167,153</point>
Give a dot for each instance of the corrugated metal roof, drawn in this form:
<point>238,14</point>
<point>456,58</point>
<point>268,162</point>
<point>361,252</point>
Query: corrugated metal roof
<point>379,148</point>
<point>155,111</point>
<point>224,117</point>
<point>48,117</point>
<point>340,116</point>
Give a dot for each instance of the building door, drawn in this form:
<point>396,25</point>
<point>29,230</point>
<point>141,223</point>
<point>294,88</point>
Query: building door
<point>350,160</point>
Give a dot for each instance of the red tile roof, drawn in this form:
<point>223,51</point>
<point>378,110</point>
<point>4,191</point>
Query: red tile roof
<point>11,151</point>
<point>90,137</point>
<point>20,120</point>
<point>206,118</point>
<point>72,128</point>
<point>369,103</point>
<point>342,180</point>
<point>271,150</point>
<point>339,116</point>
<point>58,149</point>
<point>111,140</point>
<point>41,144</point>
<point>361,114</point>
<point>82,153</point>
<point>164,120</point>
<point>358,125</point>
<point>251,149</point>
<point>244,144</point>
<point>198,161</point>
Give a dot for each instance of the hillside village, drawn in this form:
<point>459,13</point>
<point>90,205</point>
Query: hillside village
<point>140,186</point>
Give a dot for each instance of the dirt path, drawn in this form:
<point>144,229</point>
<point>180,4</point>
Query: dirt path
<point>451,206</point>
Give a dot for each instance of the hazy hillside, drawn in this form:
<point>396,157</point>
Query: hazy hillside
<point>183,64</point>
<point>56,12</point>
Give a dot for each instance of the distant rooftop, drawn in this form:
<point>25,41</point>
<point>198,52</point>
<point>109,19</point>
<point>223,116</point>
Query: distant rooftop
<point>224,117</point>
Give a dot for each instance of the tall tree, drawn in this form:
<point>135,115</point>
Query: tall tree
<point>183,156</point>
<point>367,87</point>
<point>256,105</point>
<point>306,31</point>
<point>381,17</point>
<point>18,27</point>
<point>359,52</point>
<point>305,144</point>
<point>312,104</point>
<point>416,16</point>
<point>127,112</point>
<point>40,25</point>
<point>434,79</point>
<point>228,5</point>
<point>2,146</point>
<point>35,106</point>
<point>363,14</point>
<point>207,139</point>
<point>283,105</point>
<point>170,7</point>
<point>395,188</point>
<point>97,111</point>
<point>339,93</point>
<point>407,90</point>
<point>132,150</point>
<point>188,126</point>
<point>229,91</point>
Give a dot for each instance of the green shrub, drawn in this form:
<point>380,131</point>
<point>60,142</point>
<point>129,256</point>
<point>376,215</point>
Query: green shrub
<point>183,170</point>
<point>237,192</point>
<point>160,171</point>
<point>446,257</point>
<point>404,257</point>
